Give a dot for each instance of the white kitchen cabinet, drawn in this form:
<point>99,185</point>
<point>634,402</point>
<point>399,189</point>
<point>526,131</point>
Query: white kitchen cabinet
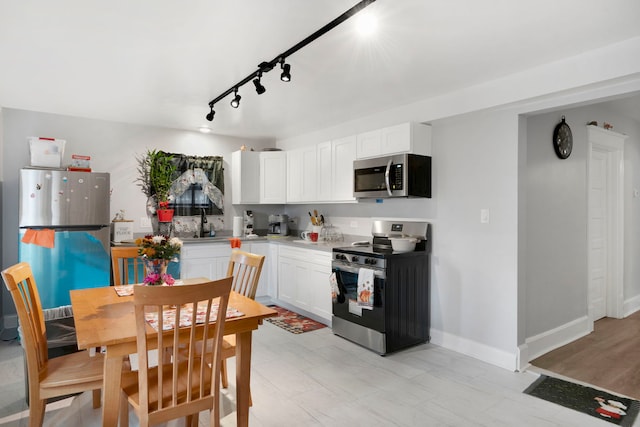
<point>211,260</point>
<point>303,280</point>
<point>261,248</point>
<point>245,175</point>
<point>273,177</point>
<point>208,260</point>
<point>406,137</point>
<point>301,175</point>
<point>343,153</point>
<point>325,171</point>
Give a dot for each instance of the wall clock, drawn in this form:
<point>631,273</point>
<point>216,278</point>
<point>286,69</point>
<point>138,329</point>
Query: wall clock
<point>562,139</point>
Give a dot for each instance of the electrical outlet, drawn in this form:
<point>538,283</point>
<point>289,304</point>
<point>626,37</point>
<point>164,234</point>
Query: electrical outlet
<point>145,222</point>
<point>293,221</point>
<point>484,216</point>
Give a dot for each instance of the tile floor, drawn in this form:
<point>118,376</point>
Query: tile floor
<point>318,379</point>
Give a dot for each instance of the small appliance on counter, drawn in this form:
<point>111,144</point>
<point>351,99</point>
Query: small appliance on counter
<point>278,225</point>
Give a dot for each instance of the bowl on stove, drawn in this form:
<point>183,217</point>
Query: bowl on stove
<point>403,244</point>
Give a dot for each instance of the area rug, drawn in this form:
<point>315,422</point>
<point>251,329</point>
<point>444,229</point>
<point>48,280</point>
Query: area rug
<point>293,322</point>
<point>600,404</point>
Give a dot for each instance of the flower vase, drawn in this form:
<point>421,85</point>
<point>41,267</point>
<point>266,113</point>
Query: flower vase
<point>156,270</point>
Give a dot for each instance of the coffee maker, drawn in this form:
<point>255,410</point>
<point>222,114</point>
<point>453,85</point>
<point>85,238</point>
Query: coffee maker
<point>248,223</point>
<point>278,225</point>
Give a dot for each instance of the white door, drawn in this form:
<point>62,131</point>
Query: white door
<point>598,207</point>
<point>605,223</point>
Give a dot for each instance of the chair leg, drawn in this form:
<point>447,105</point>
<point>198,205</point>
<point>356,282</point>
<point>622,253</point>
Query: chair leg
<point>124,410</point>
<point>223,374</point>
<point>97,394</point>
<point>36,412</point>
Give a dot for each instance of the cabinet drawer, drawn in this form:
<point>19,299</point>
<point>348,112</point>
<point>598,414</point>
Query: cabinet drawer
<point>200,250</point>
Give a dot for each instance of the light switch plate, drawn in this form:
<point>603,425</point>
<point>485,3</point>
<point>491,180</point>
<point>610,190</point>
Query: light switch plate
<point>145,222</point>
<point>484,216</point>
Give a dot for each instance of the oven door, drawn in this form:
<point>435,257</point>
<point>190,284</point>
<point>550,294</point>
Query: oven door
<point>346,306</point>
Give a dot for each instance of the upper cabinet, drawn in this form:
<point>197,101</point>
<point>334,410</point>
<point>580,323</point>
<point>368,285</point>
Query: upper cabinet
<point>302,181</point>
<point>245,173</point>
<point>343,153</point>
<point>258,177</point>
<point>273,177</point>
<point>407,137</point>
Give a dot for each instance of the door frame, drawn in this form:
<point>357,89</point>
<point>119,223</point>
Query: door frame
<point>612,143</point>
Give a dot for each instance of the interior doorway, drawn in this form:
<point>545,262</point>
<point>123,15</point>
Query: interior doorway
<point>605,223</point>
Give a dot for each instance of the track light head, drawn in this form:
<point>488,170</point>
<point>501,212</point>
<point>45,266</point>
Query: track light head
<point>259,88</point>
<point>211,114</point>
<point>235,102</point>
<point>286,72</point>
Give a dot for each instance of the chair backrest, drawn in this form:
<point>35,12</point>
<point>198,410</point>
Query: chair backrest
<point>245,268</point>
<point>192,384</point>
<point>21,284</point>
<point>127,265</point>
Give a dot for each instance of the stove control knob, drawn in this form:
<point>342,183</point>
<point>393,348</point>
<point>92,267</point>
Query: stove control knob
<point>340,256</point>
<point>370,261</point>
<point>354,259</point>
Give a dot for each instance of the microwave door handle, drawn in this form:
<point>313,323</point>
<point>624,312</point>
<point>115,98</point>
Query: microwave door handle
<point>386,177</point>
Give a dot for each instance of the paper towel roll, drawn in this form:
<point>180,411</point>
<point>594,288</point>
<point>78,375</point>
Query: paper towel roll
<point>237,226</point>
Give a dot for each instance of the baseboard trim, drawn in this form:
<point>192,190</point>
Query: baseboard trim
<point>550,340</point>
<point>492,355</point>
<point>631,306</point>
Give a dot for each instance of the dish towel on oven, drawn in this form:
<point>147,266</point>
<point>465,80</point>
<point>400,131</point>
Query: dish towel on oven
<point>365,288</point>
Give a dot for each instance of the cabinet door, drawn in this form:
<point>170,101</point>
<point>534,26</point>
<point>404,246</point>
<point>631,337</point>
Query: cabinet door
<point>287,281</point>
<point>396,139</point>
<point>319,293</point>
<point>245,173</point>
<point>273,177</point>
<point>198,267</point>
<point>343,155</point>
<point>301,175</point>
<point>369,144</point>
<point>260,248</point>
<point>325,171</point>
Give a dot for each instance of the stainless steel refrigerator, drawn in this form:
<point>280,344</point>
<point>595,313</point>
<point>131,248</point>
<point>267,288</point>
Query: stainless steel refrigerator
<point>75,205</point>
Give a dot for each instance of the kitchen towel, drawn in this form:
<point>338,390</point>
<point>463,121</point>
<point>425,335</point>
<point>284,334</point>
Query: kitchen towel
<point>237,226</point>
<point>44,237</point>
<point>365,288</point>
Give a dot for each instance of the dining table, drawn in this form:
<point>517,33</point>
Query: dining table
<point>104,319</point>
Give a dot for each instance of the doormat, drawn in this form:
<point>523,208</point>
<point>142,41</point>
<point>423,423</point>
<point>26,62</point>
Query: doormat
<point>293,322</point>
<point>609,407</point>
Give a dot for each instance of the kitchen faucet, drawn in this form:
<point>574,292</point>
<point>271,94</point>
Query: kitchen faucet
<point>203,221</point>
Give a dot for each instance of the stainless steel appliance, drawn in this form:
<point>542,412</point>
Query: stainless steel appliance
<point>400,315</point>
<point>75,205</point>
<point>278,225</point>
<point>248,223</point>
<point>401,175</point>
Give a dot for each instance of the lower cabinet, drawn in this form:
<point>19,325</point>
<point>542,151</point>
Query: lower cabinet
<point>211,260</point>
<point>303,280</point>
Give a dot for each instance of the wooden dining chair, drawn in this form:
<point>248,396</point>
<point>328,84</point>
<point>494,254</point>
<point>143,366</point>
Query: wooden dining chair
<point>245,268</point>
<point>191,383</point>
<point>59,376</point>
<point>126,265</point>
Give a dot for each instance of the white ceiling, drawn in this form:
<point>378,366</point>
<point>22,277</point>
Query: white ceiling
<point>160,62</point>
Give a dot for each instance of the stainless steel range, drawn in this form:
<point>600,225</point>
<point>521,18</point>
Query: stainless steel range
<point>382,297</point>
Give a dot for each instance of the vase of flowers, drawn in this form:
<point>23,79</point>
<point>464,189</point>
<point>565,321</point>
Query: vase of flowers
<point>156,253</point>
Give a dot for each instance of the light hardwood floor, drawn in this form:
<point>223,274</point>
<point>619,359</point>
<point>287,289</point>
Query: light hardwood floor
<point>607,358</point>
<point>319,379</point>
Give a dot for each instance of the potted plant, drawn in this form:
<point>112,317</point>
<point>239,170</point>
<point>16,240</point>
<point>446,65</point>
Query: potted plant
<point>157,170</point>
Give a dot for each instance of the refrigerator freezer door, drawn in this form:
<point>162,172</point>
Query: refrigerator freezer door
<point>79,260</point>
<point>59,198</point>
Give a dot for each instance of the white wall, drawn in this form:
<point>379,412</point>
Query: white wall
<point>556,270</point>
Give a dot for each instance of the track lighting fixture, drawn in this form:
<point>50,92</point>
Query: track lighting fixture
<point>235,102</point>
<point>259,88</point>
<point>211,113</point>
<point>286,71</point>
<point>265,67</point>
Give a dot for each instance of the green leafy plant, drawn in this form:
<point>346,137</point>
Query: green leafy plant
<point>156,174</point>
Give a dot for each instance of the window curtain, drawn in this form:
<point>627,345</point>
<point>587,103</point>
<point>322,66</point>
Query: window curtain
<point>208,171</point>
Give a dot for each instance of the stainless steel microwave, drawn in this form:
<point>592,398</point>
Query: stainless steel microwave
<point>401,175</point>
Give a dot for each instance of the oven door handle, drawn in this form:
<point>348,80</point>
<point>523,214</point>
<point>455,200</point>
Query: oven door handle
<point>355,270</point>
<point>386,177</point>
